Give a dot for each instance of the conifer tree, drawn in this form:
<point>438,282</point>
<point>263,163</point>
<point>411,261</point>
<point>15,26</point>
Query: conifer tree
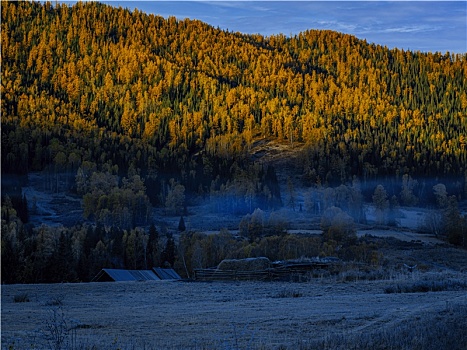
<point>168,254</point>
<point>153,247</point>
<point>181,224</point>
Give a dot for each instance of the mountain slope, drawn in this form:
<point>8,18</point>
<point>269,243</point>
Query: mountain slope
<point>105,85</point>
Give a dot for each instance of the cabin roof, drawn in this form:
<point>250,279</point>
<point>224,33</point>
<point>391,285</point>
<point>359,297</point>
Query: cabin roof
<point>166,274</point>
<point>120,275</point>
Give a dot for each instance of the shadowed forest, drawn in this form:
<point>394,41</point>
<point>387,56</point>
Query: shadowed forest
<point>129,112</point>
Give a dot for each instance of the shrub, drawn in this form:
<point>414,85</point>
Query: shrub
<point>57,301</point>
<point>427,286</point>
<point>338,226</point>
<point>56,329</point>
<point>288,294</point>
<point>21,298</point>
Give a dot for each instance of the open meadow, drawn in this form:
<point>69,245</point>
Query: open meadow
<point>405,311</point>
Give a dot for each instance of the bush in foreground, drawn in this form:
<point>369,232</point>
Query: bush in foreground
<point>427,286</point>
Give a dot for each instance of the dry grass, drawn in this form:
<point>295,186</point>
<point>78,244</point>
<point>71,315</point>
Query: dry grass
<point>324,313</point>
<point>425,331</point>
<point>425,286</point>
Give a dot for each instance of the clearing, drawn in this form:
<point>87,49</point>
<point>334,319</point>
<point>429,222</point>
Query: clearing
<point>227,315</point>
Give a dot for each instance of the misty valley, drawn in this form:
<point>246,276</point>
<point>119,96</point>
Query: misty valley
<point>60,228</point>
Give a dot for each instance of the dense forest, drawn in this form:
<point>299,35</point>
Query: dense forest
<point>106,85</point>
<point>131,111</point>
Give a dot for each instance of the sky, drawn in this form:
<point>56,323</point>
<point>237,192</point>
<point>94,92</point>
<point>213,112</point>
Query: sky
<point>427,26</point>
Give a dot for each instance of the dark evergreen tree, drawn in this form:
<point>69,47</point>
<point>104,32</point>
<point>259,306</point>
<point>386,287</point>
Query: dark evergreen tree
<point>181,224</point>
<point>24,210</point>
<point>85,259</point>
<point>10,261</point>
<point>117,250</point>
<point>454,223</point>
<point>152,256</point>
<point>61,266</point>
<point>273,184</point>
<point>168,254</point>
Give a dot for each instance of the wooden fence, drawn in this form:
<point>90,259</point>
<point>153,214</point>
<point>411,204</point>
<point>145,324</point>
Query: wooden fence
<point>230,275</point>
<point>295,272</point>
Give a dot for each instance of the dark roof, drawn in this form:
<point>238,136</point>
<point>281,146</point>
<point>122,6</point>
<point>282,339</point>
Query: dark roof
<point>166,274</point>
<point>117,275</point>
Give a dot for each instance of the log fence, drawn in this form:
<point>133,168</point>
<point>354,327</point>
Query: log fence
<point>284,272</point>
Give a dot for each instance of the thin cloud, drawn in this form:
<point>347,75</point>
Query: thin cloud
<point>409,29</point>
<point>416,25</point>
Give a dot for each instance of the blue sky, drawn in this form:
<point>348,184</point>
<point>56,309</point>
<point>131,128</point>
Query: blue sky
<point>414,25</point>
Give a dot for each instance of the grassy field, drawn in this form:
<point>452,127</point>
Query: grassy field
<point>404,311</point>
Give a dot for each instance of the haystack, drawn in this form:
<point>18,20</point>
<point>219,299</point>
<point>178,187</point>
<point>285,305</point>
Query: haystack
<point>249,264</point>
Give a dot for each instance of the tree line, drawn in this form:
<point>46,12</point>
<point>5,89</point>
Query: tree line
<point>46,254</point>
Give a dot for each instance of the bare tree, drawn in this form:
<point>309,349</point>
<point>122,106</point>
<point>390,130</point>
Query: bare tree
<point>433,221</point>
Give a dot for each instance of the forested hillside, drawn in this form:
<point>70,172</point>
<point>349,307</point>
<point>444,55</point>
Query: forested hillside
<point>93,83</point>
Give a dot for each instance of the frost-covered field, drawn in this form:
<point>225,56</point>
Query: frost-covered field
<point>324,313</point>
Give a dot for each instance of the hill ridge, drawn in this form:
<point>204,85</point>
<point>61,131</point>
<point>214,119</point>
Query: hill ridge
<point>168,89</point>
